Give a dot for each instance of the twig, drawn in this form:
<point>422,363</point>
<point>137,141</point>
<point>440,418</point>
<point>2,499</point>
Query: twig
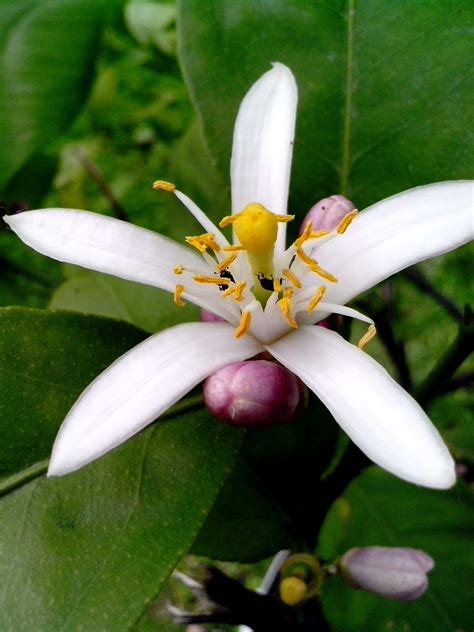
<point>452,359</point>
<point>98,177</point>
<point>418,278</point>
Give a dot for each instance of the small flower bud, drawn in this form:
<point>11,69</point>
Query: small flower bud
<point>210,317</point>
<point>252,394</point>
<point>301,577</point>
<point>395,573</point>
<point>328,212</point>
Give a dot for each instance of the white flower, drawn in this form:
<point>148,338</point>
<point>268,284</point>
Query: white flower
<point>270,297</point>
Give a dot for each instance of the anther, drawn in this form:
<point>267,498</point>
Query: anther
<point>203,242</point>
<point>346,220</point>
<point>276,285</point>
<point>178,290</point>
<point>304,235</point>
<point>201,278</point>
<point>227,262</point>
<point>367,337</point>
<point>291,276</point>
<point>316,299</point>
<point>179,269</point>
<point>233,248</point>
<point>162,185</point>
<point>237,290</point>
<point>244,324</point>
<point>314,266</point>
<point>285,305</point>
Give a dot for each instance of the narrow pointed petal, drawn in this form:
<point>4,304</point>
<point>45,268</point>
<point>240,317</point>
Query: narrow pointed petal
<point>396,233</point>
<point>263,144</point>
<point>141,385</point>
<point>377,414</point>
<point>103,244</point>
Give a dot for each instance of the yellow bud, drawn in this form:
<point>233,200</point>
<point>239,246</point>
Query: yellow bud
<point>256,229</point>
<point>292,590</point>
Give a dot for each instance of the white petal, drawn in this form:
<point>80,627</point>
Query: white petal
<point>201,217</point>
<point>377,414</point>
<point>103,244</point>
<point>396,233</point>
<point>141,385</point>
<point>263,144</point>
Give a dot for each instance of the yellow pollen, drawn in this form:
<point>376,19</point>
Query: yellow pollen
<point>304,235</point>
<point>203,242</point>
<point>200,278</point>
<point>178,290</point>
<point>162,185</point>
<point>284,218</point>
<point>291,276</point>
<point>285,305</point>
<point>232,248</point>
<point>276,285</point>
<point>227,262</point>
<point>367,337</point>
<point>314,266</point>
<point>179,269</point>
<point>345,221</point>
<point>288,292</point>
<point>228,219</point>
<point>319,233</point>
<point>256,228</point>
<point>292,590</point>
<point>236,289</point>
<point>316,299</point>
<point>244,324</point>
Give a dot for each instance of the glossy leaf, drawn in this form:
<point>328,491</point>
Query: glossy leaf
<point>378,509</point>
<point>384,90</point>
<point>47,53</point>
<point>94,547</point>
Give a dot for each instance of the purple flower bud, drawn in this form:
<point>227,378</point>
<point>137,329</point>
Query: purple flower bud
<point>327,213</point>
<point>210,317</point>
<point>252,394</point>
<point>396,573</point>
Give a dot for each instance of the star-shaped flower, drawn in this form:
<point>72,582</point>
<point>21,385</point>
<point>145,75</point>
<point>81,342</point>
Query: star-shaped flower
<point>271,297</point>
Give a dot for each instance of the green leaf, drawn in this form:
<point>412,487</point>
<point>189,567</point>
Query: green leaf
<point>382,108</point>
<point>378,509</point>
<point>94,547</point>
<point>147,307</point>
<point>47,53</point>
<point>270,501</point>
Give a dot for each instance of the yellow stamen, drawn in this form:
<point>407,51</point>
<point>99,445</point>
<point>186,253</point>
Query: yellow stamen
<point>284,218</point>
<point>178,290</point>
<point>236,289</point>
<point>200,278</point>
<point>233,248</point>
<point>179,269</point>
<point>228,219</point>
<point>288,292</point>
<point>345,221</point>
<point>276,285</point>
<point>285,305</point>
<point>314,266</point>
<point>316,299</point>
<point>203,242</point>
<point>291,276</point>
<point>292,590</point>
<point>163,186</point>
<point>256,228</point>
<point>304,235</point>
<point>319,233</point>
<point>244,324</point>
<point>367,337</point>
<point>227,262</point>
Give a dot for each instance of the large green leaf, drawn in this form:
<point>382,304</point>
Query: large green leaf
<point>378,509</point>
<point>384,88</point>
<point>90,550</point>
<point>47,52</point>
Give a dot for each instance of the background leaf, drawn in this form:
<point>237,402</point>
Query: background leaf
<point>384,91</point>
<point>379,509</point>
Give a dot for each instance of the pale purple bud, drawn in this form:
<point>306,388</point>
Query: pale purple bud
<point>210,317</point>
<point>252,394</point>
<point>327,213</point>
<point>395,573</point>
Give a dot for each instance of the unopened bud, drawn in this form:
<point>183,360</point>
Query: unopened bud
<point>327,213</point>
<point>210,317</point>
<point>395,573</point>
<point>252,394</point>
